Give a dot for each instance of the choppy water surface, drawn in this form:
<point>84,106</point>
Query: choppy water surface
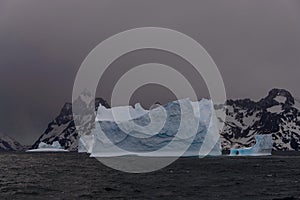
<point>76,176</point>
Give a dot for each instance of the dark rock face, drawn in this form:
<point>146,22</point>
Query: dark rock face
<point>9,144</point>
<point>277,114</point>
<point>62,128</point>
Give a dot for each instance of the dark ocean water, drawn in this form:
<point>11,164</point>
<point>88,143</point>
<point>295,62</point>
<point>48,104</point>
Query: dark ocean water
<point>76,176</point>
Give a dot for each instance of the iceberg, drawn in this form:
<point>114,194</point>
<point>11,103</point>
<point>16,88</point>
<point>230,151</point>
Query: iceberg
<point>121,113</point>
<point>164,131</point>
<point>85,143</point>
<point>262,147</point>
<point>44,147</point>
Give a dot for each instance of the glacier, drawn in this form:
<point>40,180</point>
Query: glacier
<point>262,147</point>
<point>43,147</point>
<point>164,131</point>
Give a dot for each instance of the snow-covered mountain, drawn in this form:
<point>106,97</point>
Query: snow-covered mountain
<point>62,128</point>
<point>9,144</point>
<point>277,114</point>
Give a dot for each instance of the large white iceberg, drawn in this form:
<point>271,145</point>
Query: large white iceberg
<point>44,147</point>
<point>162,131</point>
<point>262,147</point>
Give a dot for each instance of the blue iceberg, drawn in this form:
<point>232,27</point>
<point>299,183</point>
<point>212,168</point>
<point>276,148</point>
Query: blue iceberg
<point>85,143</point>
<point>262,147</point>
<point>141,132</point>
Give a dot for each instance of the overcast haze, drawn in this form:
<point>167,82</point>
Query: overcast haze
<point>255,44</point>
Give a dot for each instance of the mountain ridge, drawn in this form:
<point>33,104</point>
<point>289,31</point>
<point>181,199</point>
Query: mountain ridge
<point>62,128</point>
<point>274,114</point>
<point>9,144</point>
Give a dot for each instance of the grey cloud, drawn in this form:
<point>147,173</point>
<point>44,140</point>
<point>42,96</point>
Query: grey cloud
<point>255,44</point>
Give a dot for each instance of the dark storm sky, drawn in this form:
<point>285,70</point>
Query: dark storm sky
<point>255,44</point>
